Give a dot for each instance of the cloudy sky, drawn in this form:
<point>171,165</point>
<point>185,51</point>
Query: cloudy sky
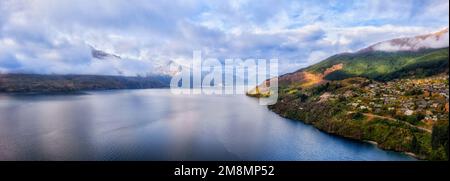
<point>55,36</point>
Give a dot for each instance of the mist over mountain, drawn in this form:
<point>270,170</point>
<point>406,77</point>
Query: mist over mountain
<point>99,54</point>
<point>438,39</point>
<point>55,37</point>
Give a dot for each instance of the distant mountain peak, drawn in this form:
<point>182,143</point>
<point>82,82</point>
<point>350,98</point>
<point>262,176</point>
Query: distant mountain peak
<point>102,55</point>
<point>435,40</point>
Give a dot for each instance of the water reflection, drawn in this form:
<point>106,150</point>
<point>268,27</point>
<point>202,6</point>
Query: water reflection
<point>156,125</point>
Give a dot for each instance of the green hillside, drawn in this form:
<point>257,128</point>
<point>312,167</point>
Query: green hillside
<point>386,65</point>
<point>397,99</point>
<point>364,109</point>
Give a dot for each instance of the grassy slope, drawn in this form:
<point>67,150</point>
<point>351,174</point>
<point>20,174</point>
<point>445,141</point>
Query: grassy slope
<point>385,65</point>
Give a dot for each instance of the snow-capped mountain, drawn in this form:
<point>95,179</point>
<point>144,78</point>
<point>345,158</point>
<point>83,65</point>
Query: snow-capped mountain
<point>438,39</point>
<point>99,54</point>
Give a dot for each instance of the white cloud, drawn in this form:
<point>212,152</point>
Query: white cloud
<point>53,36</point>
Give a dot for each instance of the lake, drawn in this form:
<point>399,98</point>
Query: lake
<point>154,124</point>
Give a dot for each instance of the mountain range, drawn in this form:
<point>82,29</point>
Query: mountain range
<point>38,83</point>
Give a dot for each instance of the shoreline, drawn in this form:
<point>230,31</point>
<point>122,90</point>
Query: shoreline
<point>70,92</point>
<point>374,143</point>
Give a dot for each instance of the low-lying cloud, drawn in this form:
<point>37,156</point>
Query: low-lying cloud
<point>56,36</point>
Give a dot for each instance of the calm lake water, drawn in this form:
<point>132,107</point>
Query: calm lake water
<point>157,125</point>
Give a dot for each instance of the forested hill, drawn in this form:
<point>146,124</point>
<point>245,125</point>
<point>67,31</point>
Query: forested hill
<point>25,83</point>
<point>385,66</point>
<point>411,57</point>
<point>394,93</point>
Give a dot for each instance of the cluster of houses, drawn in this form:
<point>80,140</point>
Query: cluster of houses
<point>426,97</point>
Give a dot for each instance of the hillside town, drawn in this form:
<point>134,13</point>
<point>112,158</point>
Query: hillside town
<point>418,101</point>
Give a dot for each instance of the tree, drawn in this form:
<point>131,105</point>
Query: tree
<point>415,145</point>
<point>358,116</point>
<point>439,136</point>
